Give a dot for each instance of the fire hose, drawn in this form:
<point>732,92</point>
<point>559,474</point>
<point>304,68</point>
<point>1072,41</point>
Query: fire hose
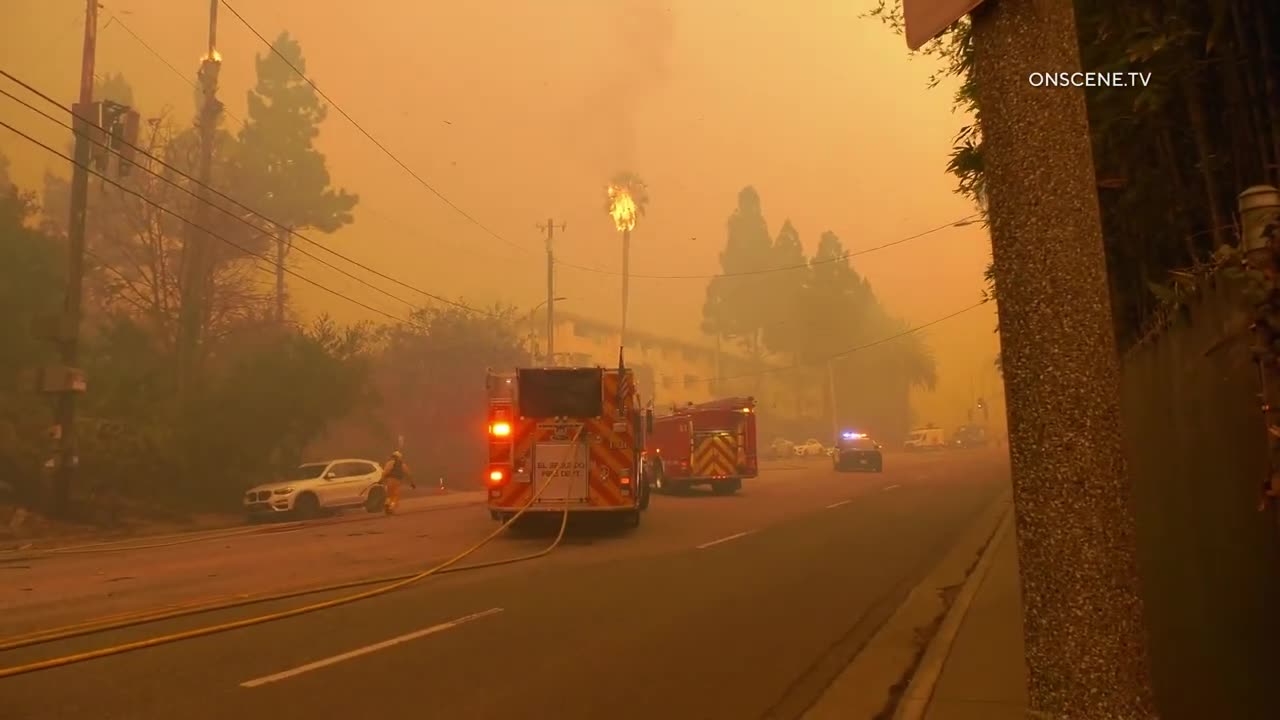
<point>396,583</point>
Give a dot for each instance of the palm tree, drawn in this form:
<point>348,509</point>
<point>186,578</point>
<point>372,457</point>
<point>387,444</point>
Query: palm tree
<point>628,199</point>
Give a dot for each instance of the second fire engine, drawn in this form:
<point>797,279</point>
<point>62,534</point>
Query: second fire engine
<point>711,443</point>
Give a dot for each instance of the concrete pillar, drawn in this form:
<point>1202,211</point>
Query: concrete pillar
<point>1083,617</point>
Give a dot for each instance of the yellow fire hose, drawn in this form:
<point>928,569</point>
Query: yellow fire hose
<point>396,584</point>
<point>142,617</point>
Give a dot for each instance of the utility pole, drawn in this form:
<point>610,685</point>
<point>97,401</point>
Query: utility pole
<point>626,283</point>
<point>283,238</point>
<point>197,278</point>
<point>550,229</point>
<point>831,395</point>
<point>719,372</point>
<point>1083,616</point>
<point>69,327</point>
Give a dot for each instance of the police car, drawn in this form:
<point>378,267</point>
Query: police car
<point>856,451</point>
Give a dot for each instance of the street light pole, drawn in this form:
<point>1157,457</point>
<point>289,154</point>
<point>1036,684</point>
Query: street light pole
<point>550,302</point>
<point>550,329</point>
<point>831,392</point>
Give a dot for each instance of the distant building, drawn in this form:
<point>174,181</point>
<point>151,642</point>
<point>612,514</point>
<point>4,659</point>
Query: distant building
<point>669,370</point>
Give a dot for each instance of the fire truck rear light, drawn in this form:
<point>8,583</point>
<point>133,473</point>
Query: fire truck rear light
<point>497,476</point>
<point>500,429</point>
<point>625,480</point>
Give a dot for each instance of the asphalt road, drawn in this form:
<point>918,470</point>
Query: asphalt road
<point>716,607</point>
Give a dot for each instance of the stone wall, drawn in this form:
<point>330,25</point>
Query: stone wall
<point>1210,562</point>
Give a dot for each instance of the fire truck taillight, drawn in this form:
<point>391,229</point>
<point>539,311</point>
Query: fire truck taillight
<point>497,476</point>
<point>500,429</point>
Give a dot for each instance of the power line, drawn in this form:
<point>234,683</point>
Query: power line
<point>844,256</point>
<point>193,194</point>
<point>366,209</point>
<point>494,234</point>
<point>238,204</point>
<point>843,353</point>
<point>211,233</point>
<point>115,19</point>
<point>366,133</point>
<point>246,251</point>
<point>823,261</point>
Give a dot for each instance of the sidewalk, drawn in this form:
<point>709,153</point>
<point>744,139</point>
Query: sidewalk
<point>984,675</point>
<point>424,499</point>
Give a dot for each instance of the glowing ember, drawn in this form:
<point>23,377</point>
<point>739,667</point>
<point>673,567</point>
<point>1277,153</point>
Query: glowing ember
<point>214,56</point>
<point>623,208</point>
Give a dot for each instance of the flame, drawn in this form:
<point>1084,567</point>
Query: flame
<point>213,56</point>
<point>623,208</point>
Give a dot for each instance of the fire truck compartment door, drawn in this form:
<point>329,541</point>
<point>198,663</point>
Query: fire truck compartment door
<point>565,466</point>
<point>714,453</point>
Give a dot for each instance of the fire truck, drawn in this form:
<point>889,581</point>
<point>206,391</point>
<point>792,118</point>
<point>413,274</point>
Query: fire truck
<point>575,434</point>
<point>711,443</point>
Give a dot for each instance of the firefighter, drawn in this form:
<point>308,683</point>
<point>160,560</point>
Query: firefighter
<point>395,472</point>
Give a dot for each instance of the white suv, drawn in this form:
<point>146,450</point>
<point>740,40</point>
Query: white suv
<point>313,487</point>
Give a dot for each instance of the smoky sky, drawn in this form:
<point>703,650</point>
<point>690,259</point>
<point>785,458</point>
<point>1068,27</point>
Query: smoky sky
<point>633,67</point>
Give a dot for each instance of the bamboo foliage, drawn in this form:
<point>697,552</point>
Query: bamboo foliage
<point>1170,156</point>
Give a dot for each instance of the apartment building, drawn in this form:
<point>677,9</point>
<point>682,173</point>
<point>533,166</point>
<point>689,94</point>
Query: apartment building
<point>669,370</point>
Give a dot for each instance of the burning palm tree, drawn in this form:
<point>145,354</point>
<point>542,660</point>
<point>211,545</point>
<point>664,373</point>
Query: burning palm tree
<point>628,198</point>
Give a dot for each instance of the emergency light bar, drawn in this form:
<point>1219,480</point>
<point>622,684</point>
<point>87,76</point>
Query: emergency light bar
<point>853,435</point>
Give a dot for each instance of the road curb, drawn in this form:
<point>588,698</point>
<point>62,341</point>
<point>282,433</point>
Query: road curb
<point>892,654</point>
<point>919,693</point>
<point>149,542</point>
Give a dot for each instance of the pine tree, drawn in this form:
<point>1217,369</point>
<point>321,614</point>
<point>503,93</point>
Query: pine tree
<point>280,172</point>
<point>738,304</point>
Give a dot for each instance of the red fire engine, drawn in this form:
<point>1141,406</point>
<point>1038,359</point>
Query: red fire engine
<point>575,434</point>
<point>711,443</point>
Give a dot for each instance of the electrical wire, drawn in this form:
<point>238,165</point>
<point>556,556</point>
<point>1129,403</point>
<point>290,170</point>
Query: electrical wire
<point>968,219</point>
<point>686,381</point>
<point>197,196</point>
<point>203,229</point>
<point>364,208</point>
<point>271,46</point>
<point>843,353</point>
<point>237,203</point>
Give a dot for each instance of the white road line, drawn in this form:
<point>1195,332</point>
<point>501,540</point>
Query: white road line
<point>259,682</point>
<point>889,487</point>
<point>723,540</point>
<point>838,504</point>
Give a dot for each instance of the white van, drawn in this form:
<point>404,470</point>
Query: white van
<point>925,439</point>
